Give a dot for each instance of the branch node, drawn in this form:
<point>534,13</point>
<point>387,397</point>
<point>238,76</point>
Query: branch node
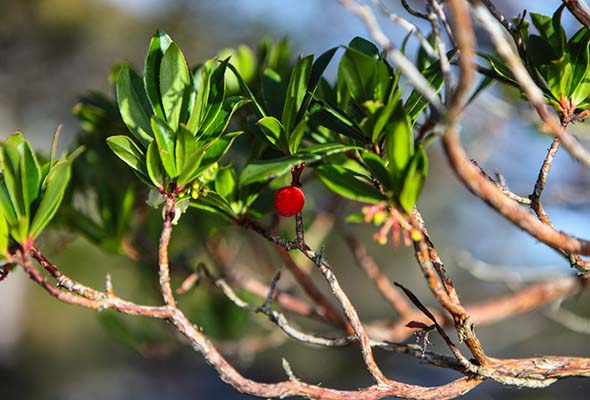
<point>289,371</point>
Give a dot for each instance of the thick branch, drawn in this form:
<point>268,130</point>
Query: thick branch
<point>164,267</point>
<point>579,10</point>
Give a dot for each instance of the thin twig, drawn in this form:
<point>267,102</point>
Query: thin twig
<point>410,27</point>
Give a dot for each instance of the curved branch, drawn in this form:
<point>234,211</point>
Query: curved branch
<point>579,10</point>
<point>480,186</point>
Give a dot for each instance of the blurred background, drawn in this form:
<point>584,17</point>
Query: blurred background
<point>53,51</point>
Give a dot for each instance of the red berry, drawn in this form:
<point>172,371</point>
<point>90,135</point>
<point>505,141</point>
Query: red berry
<point>289,201</point>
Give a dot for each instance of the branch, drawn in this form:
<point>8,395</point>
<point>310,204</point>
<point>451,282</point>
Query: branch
<point>444,291</point>
<point>93,300</point>
<point>325,269</point>
<point>579,10</point>
<point>164,267</point>
<point>221,256</point>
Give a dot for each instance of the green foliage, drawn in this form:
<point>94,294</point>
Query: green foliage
<point>369,111</point>
<point>30,191</point>
<point>560,67</point>
<point>177,116</point>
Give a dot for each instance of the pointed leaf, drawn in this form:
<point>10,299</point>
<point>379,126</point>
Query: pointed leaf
<point>186,145</point>
<point>269,169</point>
<point>56,184</point>
<point>223,118</point>
<point>6,204</point>
<point>214,203</point>
<point>158,45</point>
<point>248,92</point>
<point>364,46</point>
<point>165,139</point>
<point>128,151</point>
<point>274,132</point>
<point>215,101</point>
<point>345,183</point>
<point>201,78</point>
<point>155,170</point>
<point>30,174</point>
<point>399,143</point>
<point>414,180</point>
<point>10,162</point>
<point>377,168</point>
<point>217,149</point>
<point>191,168</point>
<point>134,105</point>
<point>226,182</point>
<point>3,236</point>
<point>273,93</point>
<point>174,82</point>
<point>297,135</point>
<point>296,91</point>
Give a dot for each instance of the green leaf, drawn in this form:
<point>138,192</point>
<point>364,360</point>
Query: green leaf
<point>416,103</point>
<point>165,138</point>
<point>558,41</point>
<point>9,161</point>
<point>30,174</point>
<point>174,82</point>
<point>423,61</point>
<point>377,168</point>
<point>134,105</point>
<point>274,132</point>
<point>125,212</point>
<point>215,101</point>
<point>544,25</point>
<point>201,78</point>
<point>217,148</point>
<point>158,45</point>
<point>355,75</point>
<point>223,118</point>
<point>399,143</point>
<point>129,152</point>
<point>56,184</point>
<point>226,182</point>
<point>246,89</point>
<point>273,92</point>
<point>186,145</point>
<point>578,48</point>
<point>297,135</point>
<point>318,68</point>
<point>335,120</point>
<point>558,74</point>
<point>192,168</point>
<point>414,180</point>
<point>3,237</point>
<point>244,59</point>
<point>269,169</point>
<point>155,170</point>
<point>385,114</point>
<point>364,46</point>
<point>296,91</point>
<point>6,204</point>
<point>550,29</point>
<point>345,183</point>
<point>214,203</point>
